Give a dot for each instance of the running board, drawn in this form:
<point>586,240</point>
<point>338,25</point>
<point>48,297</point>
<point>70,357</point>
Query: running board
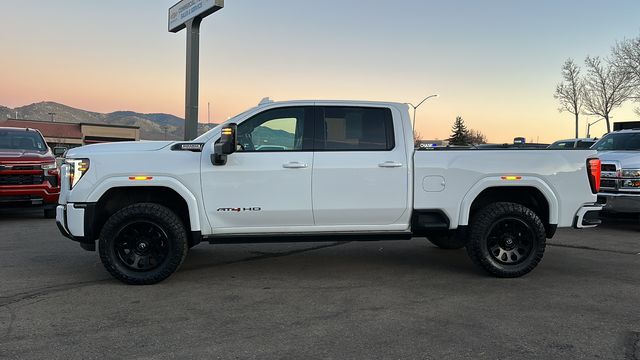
<point>307,237</point>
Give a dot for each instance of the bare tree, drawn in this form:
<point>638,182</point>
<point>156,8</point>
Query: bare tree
<point>477,137</point>
<point>626,57</point>
<point>416,138</point>
<point>606,87</point>
<point>569,91</point>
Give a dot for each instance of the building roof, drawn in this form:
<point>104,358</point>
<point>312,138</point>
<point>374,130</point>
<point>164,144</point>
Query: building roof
<point>48,129</point>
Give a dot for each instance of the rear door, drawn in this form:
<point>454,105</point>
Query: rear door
<point>360,170</point>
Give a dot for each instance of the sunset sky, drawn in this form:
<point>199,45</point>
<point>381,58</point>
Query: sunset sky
<point>493,62</point>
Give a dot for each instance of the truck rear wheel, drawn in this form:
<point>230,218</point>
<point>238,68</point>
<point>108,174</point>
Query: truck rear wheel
<point>143,244</point>
<point>506,239</point>
<point>449,241</point>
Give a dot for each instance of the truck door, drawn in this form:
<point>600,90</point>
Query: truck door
<point>266,184</point>
<point>360,169</point>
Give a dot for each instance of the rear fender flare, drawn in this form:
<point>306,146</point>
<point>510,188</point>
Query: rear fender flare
<point>497,181</point>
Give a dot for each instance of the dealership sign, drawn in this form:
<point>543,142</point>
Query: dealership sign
<point>186,10</point>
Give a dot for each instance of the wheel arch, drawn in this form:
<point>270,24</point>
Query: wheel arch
<point>179,200</point>
<point>530,192</point>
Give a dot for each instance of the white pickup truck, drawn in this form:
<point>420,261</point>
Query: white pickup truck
<point>316,171</point>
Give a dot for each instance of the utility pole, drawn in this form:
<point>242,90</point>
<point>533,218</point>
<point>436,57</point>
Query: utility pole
<point>52,114</point>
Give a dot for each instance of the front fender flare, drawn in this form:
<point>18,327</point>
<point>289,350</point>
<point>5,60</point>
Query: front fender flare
<point>159,181</point>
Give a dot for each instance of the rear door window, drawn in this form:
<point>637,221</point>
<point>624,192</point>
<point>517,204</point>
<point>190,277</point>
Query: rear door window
<point>354,129</point>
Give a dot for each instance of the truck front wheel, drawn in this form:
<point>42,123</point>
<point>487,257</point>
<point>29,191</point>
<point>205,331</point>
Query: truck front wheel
<point>143,244</point>
<point>506,239</point>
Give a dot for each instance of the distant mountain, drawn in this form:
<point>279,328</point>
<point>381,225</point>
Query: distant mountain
<point>155,126</point>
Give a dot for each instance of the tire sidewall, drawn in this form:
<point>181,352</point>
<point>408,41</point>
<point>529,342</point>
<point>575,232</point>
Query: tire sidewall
<point>483,225</point>
<point>160,216</point>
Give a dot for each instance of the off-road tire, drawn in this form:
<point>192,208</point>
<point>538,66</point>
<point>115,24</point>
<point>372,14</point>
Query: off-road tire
<point>451,241</point>
<point>161,216</point>
<point>484,223</point>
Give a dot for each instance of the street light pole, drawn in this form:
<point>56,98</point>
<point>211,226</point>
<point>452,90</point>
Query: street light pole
<point>589,126</point>
<point>415,107</point>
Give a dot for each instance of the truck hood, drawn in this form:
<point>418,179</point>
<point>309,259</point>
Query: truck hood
<point>118,147</point>
<point>627,159</point>
<point>27,156</point>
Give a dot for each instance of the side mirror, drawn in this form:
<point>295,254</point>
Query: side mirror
<point>226,145</point>
<point>59,151</point>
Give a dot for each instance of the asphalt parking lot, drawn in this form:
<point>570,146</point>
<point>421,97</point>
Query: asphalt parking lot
<point>392,300</point>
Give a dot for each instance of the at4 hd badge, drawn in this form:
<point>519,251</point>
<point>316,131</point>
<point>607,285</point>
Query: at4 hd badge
<point>239,209</point>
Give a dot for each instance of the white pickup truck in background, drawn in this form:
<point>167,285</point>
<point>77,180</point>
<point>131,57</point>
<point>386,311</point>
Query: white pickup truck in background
<point>620,155</point>
<point>313,171</point>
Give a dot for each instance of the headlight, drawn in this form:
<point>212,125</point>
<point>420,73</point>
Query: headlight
<point>631,173</point>
<point>50,169</point>
<point>77,168</point>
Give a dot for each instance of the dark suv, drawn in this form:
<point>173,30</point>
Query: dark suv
<point>28,172</point>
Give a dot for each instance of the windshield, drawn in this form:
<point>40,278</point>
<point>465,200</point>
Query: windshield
<point>21,140</point>
<point>619,141</point>
<point>562,145</point>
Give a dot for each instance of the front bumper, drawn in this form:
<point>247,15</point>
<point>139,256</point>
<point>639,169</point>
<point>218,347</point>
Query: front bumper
<point>40,194</point>
<point>76,222</point>
<point>587,216</point>
<point>619,202</point>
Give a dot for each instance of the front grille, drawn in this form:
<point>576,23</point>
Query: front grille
<point>608,167</point>
<point>608,183</point>
<point>21,179</point>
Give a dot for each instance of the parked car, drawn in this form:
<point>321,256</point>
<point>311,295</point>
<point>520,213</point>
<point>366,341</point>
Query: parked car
<point>350,172</point>
<point>580,143</point>
<point>620,184</point>
<point>28,172</point>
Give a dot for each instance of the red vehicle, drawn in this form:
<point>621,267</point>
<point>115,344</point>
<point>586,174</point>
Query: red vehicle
<point>28,172</point>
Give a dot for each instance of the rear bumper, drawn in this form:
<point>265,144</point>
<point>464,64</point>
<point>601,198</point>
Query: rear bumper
<point>29,194</point>
<point>619,202</point>
<point>75,221</point>
<point>587,216</point>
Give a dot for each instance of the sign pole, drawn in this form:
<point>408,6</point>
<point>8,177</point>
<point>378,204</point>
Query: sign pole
<point>188,14</point>
<point>193,76</point>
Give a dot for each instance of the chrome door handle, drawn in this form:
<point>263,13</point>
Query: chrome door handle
<point>390,164</point>
<point>294,165</point>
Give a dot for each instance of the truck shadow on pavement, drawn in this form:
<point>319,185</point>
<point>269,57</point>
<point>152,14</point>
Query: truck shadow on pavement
<point>20,213</point>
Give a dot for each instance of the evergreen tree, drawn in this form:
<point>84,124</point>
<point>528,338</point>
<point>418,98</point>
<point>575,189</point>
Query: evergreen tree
<point>460,134</point>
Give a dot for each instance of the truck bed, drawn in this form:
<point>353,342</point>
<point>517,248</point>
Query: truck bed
<point>439,176</point>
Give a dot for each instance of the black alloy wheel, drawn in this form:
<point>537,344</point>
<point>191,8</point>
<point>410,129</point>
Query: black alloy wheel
<point>141,245</point>
<point>510,240</point>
